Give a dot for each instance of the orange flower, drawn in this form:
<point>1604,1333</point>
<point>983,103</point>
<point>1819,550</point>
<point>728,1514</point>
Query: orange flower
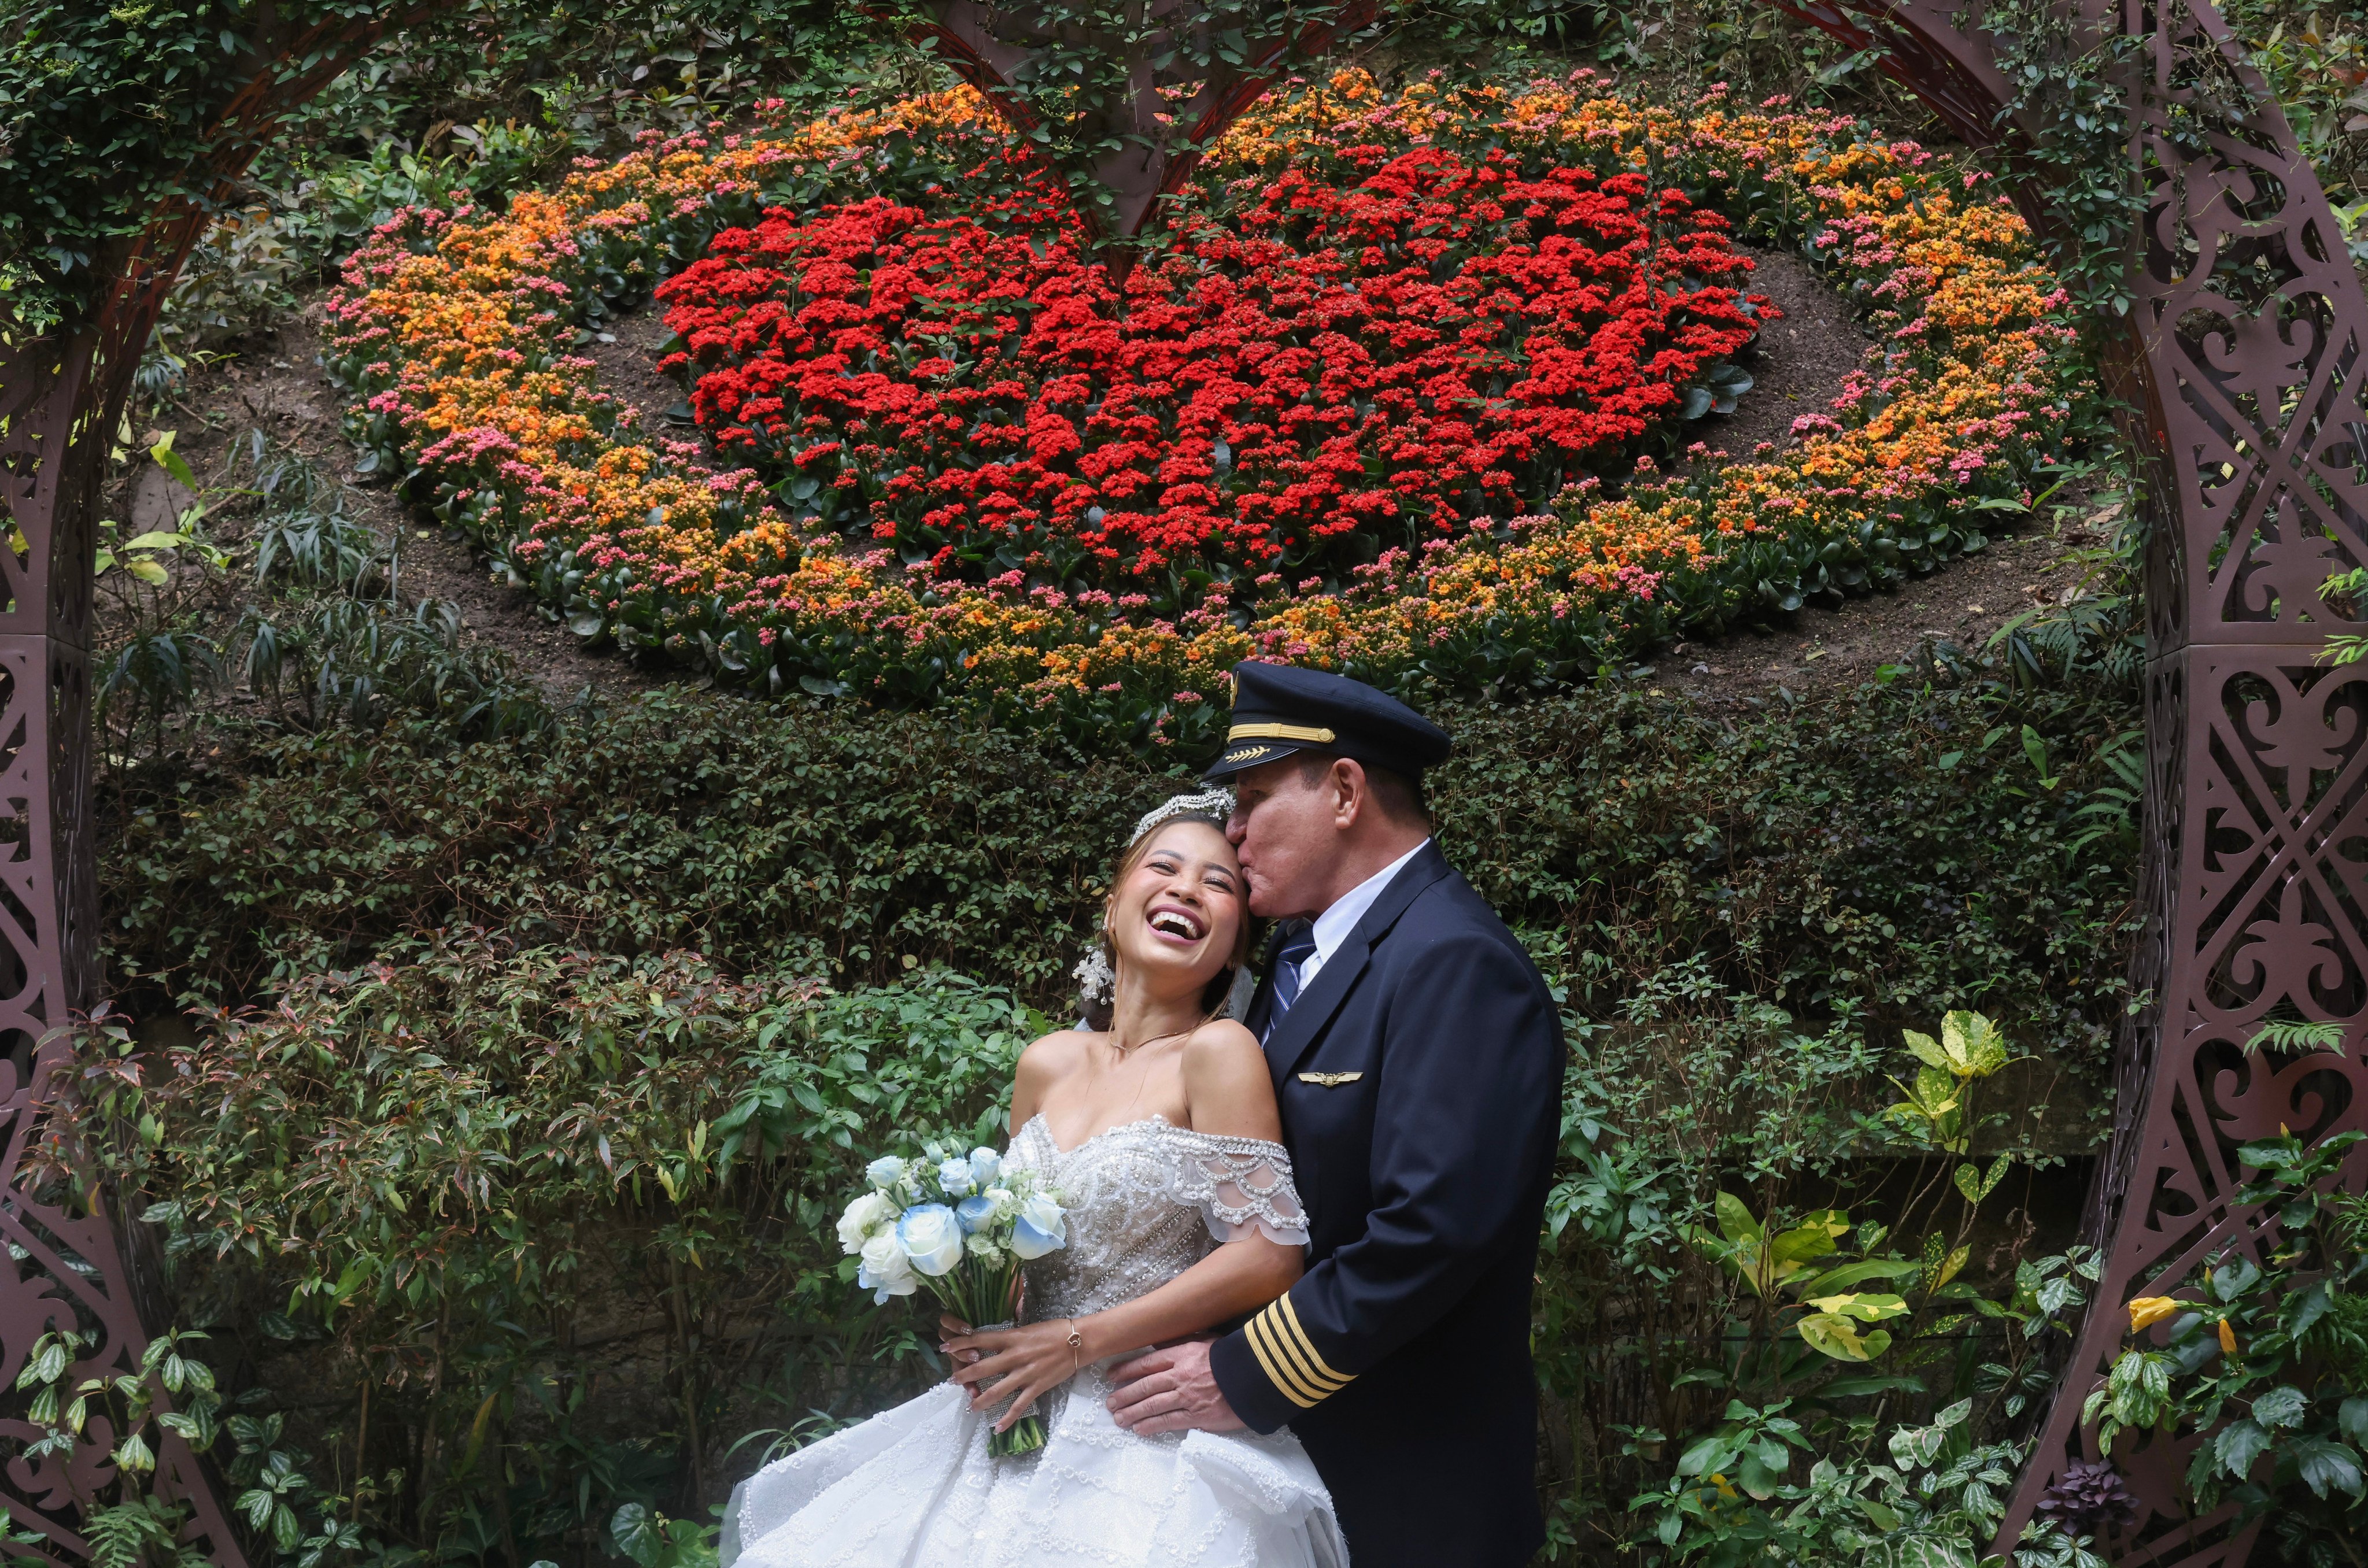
<point>457,334</point>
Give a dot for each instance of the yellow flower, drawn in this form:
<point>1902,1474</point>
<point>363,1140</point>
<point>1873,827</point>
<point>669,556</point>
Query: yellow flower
<point>470,341</point>
<point>2148,1310</point>
<point>2227,1337</point>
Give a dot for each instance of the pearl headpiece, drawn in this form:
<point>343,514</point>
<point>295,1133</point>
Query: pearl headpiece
<point>1218,804</point>
<point>1096,982</point>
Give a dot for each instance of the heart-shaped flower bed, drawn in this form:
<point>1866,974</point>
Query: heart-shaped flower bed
<point>1292,388</point>
<point>1328,426</point>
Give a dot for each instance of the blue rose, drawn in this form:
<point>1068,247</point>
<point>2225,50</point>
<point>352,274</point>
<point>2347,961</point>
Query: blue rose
<point>975,1213</point>
<point>1042,1227</point>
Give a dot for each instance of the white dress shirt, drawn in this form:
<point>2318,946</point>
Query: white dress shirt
<point>1332,926</point>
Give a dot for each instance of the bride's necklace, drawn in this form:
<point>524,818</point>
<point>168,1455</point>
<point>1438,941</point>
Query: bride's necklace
<point>1126,1053</point>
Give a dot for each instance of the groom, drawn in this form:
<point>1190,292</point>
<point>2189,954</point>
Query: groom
<point>1418,1060</point>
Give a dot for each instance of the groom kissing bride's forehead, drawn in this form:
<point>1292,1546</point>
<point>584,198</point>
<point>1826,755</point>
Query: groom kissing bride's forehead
<point>1303,1236</point>
<point>1417,1058</point>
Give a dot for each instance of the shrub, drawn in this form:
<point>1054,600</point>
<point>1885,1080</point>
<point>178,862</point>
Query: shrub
<point>1898,850</point>
<point>457,1178</point>
<point>470,1184</point>
<point>2261,1365</point>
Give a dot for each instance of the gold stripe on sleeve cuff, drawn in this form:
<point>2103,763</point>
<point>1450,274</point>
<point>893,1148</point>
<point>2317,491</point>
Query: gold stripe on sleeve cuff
<point>1275,1370</point>
<point>1308,1348</point>
<point>1295,1355</point>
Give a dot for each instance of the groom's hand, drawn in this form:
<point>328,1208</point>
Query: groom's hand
<point>1171,1391</point>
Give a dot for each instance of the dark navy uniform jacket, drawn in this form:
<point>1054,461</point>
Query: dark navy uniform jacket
<point>1420,1081</point>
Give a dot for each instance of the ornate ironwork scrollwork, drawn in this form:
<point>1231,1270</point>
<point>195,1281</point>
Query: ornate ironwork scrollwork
<point>2245,360</point>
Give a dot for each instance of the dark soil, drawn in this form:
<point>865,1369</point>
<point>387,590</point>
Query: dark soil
<point>1820,650</point>
<point>1798,364</point>
<point>627,352</point>
<point>276,384</point>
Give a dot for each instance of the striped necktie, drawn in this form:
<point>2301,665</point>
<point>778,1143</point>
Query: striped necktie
<point>1297,946</point>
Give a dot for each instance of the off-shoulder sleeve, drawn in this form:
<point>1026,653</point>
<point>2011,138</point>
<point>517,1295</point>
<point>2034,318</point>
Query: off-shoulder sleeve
<point>1241,1186</point>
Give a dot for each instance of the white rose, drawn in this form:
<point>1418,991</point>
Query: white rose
<point>1042,1227</point>
<point>954,1176</point>
<point>1006,1203</point>
<point>863,1216</point>
<point>985,1166</point>
<point>884,1172</point>
<point>932,1237</point>
<point>886,1270</point>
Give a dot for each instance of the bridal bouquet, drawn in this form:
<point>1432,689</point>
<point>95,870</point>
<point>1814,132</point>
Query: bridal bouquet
<point>962,1225</point>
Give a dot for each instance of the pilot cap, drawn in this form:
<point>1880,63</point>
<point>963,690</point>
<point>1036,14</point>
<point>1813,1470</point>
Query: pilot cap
<point>1280,710</point>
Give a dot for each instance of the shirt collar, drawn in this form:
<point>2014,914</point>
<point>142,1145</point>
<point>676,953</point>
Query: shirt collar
<point>1332,926</point>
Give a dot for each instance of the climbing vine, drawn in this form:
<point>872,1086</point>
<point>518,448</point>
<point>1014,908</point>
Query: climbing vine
<point>2071,161</point>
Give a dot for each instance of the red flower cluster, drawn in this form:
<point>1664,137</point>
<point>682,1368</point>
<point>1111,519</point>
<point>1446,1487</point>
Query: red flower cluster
<point>1321,374</point>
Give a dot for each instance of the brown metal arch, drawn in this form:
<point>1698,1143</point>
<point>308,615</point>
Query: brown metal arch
<point>2246,374</point>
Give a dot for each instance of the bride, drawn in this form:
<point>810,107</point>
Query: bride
<point>1157,1125</point>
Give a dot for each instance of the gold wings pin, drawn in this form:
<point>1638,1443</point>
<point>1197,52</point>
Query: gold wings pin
<point>1329,1079</point>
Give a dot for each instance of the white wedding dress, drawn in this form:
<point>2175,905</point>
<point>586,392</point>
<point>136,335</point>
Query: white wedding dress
<point>915,1488</point>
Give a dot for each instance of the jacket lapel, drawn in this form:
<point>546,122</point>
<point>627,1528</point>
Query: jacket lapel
<point>1338,976</point>
<point>1262,1003</point>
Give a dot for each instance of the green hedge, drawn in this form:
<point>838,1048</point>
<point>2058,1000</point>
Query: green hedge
<point>1893,850</point>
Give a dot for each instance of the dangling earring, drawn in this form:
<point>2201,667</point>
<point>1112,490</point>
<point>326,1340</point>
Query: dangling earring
<point>1097,983</point>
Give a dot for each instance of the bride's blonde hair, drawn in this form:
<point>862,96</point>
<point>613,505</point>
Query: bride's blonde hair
<point>1098,973</point>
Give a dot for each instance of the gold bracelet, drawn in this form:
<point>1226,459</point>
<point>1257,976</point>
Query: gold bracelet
<point>1077,1347</point>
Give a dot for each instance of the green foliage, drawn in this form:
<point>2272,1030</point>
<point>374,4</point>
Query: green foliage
<point>2265,1358</point>
<point>102,111</point>
<point>1081,77</point>
<point>171,1392</point>
<point>126,1520</point>
<point>1888,850</point>
<point>2315,60</point>
<point>107,111</point>
<point>1463,24</point>
<point>1738,912</point>
<point>1763,1324</point>
<point>2073,152</point>
<point>653,1541</point>
<point>452,1167</point>
<point>320,633</point>
<point>1936,1503</point>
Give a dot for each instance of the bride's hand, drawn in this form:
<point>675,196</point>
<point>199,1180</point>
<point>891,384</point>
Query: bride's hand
<point>1023,1364</point>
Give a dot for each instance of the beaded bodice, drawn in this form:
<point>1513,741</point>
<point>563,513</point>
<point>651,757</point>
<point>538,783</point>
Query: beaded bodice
<point>1148,1199</point>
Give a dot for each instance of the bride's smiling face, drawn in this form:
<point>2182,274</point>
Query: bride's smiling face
<point>1180,911</point>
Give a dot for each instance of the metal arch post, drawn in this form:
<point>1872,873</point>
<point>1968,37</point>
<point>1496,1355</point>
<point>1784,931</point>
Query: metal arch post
<point>62,403</point>
<point>2246,380</point>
